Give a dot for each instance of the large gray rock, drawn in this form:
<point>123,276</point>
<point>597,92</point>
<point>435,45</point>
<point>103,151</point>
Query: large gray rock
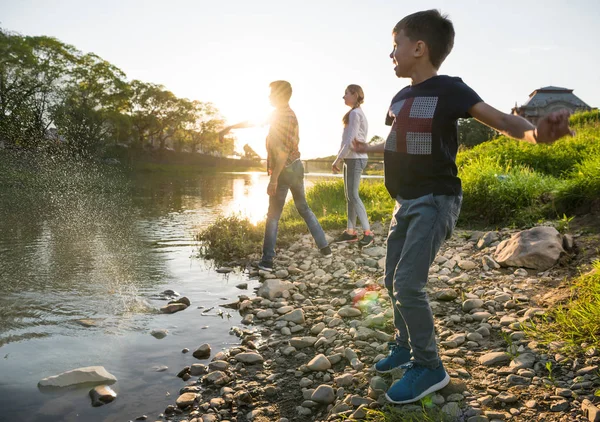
<point>538,248</point>
<point>88,374</point>
<point>273,288</point>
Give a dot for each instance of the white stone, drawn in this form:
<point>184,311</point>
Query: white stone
<point>319,363</point>
<point>91,374</point>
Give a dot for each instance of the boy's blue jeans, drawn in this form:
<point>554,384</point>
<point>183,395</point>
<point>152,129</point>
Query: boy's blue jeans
<point>291,178</point>
<point>419,227</point>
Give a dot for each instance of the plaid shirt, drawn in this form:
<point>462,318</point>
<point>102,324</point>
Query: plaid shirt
<point>284,134</point>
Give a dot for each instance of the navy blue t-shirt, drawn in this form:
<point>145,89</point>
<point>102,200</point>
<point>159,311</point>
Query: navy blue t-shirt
<point>420,151</point>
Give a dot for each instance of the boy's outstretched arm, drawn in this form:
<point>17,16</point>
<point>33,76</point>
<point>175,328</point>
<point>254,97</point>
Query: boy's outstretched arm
<point>549,129</point>
<point>240,125</point>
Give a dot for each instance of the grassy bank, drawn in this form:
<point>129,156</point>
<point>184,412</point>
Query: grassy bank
<point>511,182</point>
<point>575,324</point>
<point>505,182</point>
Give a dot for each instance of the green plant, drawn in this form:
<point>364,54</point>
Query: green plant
<point>562,225</point>
<point>512,350</point>
<point>550,369</point>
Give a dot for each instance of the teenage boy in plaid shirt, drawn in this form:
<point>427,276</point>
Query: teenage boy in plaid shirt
<point>286,171</point>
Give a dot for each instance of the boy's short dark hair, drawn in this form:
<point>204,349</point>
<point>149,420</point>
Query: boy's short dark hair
<point>282,90</point>
<point>433,28</point>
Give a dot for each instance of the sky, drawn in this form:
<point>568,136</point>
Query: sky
<point>227,52</point>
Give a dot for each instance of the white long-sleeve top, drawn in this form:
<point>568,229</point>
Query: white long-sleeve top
<point>357,128</point>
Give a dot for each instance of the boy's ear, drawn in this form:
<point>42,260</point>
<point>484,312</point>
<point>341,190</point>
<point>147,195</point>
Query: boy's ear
<point>420,49</point>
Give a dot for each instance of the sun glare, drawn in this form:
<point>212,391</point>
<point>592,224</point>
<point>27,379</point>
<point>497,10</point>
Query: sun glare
<point>250,198</point>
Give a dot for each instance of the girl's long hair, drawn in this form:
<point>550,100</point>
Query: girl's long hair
<point>360,98</point>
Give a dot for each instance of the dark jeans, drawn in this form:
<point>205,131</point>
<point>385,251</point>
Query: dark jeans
<point>291,178</point>
<point>418,229</point>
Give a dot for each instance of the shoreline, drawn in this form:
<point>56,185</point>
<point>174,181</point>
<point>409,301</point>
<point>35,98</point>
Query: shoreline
<point>317,326</point>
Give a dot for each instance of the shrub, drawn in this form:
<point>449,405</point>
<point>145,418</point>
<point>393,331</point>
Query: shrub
<point>230,238</point>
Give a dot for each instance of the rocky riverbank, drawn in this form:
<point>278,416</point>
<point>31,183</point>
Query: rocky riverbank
<point>316,327</point>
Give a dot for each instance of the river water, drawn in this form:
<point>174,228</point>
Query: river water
<point>72,253</point>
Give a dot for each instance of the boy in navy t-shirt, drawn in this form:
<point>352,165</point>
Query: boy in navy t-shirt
<point>421,175</point>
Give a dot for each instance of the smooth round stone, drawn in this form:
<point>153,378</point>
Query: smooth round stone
<point>319,363</point>
<point>323,394</point>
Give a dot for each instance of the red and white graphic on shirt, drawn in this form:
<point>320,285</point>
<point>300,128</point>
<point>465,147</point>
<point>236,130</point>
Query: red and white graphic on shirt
<point>411,131</point>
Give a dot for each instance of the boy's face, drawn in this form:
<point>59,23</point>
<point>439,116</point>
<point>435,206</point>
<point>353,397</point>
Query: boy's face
<point>272,98</point>
<point>275,99</point>
<point>404,54</point>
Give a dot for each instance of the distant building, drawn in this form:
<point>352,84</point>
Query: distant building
<point>545,100</point>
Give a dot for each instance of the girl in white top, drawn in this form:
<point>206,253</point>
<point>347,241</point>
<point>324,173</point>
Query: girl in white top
<point>355,128</point>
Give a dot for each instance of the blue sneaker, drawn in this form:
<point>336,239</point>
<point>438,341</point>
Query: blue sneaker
<point>417,382</point>
<point>398,356</point>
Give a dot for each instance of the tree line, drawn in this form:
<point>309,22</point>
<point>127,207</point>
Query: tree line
<point>55,96</point>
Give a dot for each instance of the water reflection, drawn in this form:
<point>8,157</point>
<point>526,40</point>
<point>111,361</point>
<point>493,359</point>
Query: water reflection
<point>99,247</point>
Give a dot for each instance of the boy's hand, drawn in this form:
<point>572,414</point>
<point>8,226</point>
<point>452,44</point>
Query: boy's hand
<point>272,188</point>
<point>553,127</point>
<point>358,146</point>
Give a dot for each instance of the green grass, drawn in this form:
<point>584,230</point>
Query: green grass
<point>516,183</point>
<point>578,321</point>
<point>328,202</point>
<point>428,413</point>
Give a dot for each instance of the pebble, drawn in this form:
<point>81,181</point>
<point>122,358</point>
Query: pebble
<point>494,358</point>
<point>336,343</point>
<point>323,394</point>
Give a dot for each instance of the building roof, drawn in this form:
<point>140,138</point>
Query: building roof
<point>552,94</point>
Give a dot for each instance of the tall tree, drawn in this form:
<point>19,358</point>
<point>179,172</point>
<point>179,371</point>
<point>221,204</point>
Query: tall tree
<point>32,75</point>
<point>89,115</point>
